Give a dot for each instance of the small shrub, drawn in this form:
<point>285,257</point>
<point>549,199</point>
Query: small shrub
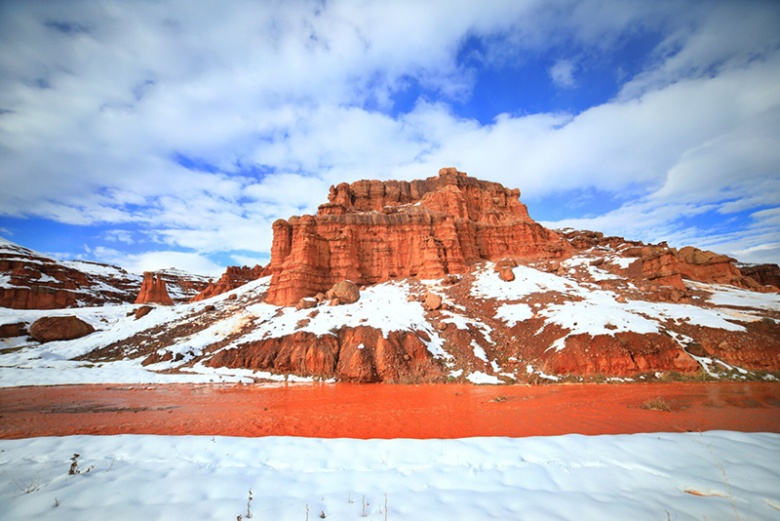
<point>74,466</point>
<point>657,404</point>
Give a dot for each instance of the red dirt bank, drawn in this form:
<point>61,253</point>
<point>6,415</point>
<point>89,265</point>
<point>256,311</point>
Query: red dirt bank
<point>386,411</point>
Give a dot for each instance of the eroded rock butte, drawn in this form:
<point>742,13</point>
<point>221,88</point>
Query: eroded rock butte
<point>372,231</point>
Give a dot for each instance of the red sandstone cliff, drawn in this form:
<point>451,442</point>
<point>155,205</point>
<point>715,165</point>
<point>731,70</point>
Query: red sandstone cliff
<point>372,231</point>
<point>153,291</point>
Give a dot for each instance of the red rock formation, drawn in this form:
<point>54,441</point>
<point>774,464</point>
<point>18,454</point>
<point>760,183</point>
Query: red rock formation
<point>30,280</point>
<point>182,286</point>
<point>625,354</point>
<point>360,354</point>
<point>234,277</point>
<point>657,264</point>
<point>48,329</point>
<point>764,274</point>
<point>372,231</point>
<point>706,266</point>
<point>153,291</point>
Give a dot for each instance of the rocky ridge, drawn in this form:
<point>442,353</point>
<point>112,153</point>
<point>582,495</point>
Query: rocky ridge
<point>32,280</point>
<point>450,279</point>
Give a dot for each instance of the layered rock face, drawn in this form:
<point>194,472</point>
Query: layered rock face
<point>29,280</point>
<point>153,291</point>
<point>696,264</point>
<point>361,354</point>
<point>373,231</point>
<point>234,277</point>
<point>764,274</point>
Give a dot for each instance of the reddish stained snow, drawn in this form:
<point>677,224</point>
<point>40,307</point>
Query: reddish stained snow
<point>387,411</point>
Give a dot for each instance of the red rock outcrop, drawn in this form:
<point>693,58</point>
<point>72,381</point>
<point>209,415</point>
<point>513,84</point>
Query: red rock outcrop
<point>29,280</point>
<point>764,274</point>
<point>360,354</point>
<point>657,264</point>
<point>624,355</point>
<point>153,291</point>
<point>12,330</point>
<point>372,231</point>
<point>707,266</point>
<point>234,277</point>
<point>662,265</point>
<point>48,329</point>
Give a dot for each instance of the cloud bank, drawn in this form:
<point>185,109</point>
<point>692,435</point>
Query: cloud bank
<point>172,128</point>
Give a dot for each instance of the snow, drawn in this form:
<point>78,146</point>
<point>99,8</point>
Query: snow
<point>621,262</point>
<point>480,378</point>
<point>386,307</point>
<point>479,351</point>
<point>597,312</point>
<point>101,270</point>
<point>514,313</point>
<point>711,475</point>
<point>584,262</point>
<point>487,283</point>
<point>731,296</point>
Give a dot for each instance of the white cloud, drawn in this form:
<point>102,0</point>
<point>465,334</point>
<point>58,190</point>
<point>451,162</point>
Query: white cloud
<point>562,74</point>
<point>284,91</point>
<point>158,260</point>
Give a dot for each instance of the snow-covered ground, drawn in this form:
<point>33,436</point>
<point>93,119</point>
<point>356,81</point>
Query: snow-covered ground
<point>713,475</point>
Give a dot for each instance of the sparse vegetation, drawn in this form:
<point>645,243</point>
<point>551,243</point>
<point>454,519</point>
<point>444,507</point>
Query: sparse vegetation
<point>657,404</point>
<point>74,466</point>
<point>32,486</point>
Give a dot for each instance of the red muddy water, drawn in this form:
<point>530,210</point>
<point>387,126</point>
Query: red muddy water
<point>387,411</point>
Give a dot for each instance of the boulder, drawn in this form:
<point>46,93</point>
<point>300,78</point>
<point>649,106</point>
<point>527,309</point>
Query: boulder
<point>432,302</point>
<point>68,327</point>
<point>345,292</point>
<point>306,303</point>
<point>142,311</point>
<point>12,330</point>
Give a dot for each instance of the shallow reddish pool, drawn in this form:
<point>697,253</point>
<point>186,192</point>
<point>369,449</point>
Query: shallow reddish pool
<point>387,411</point>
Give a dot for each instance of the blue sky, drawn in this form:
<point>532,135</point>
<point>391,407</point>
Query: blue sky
<point>155,134</point>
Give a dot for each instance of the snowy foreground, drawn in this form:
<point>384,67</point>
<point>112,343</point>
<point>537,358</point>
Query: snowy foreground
<point>712,475</point>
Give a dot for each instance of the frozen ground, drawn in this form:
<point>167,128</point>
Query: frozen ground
<point>712,475</point>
